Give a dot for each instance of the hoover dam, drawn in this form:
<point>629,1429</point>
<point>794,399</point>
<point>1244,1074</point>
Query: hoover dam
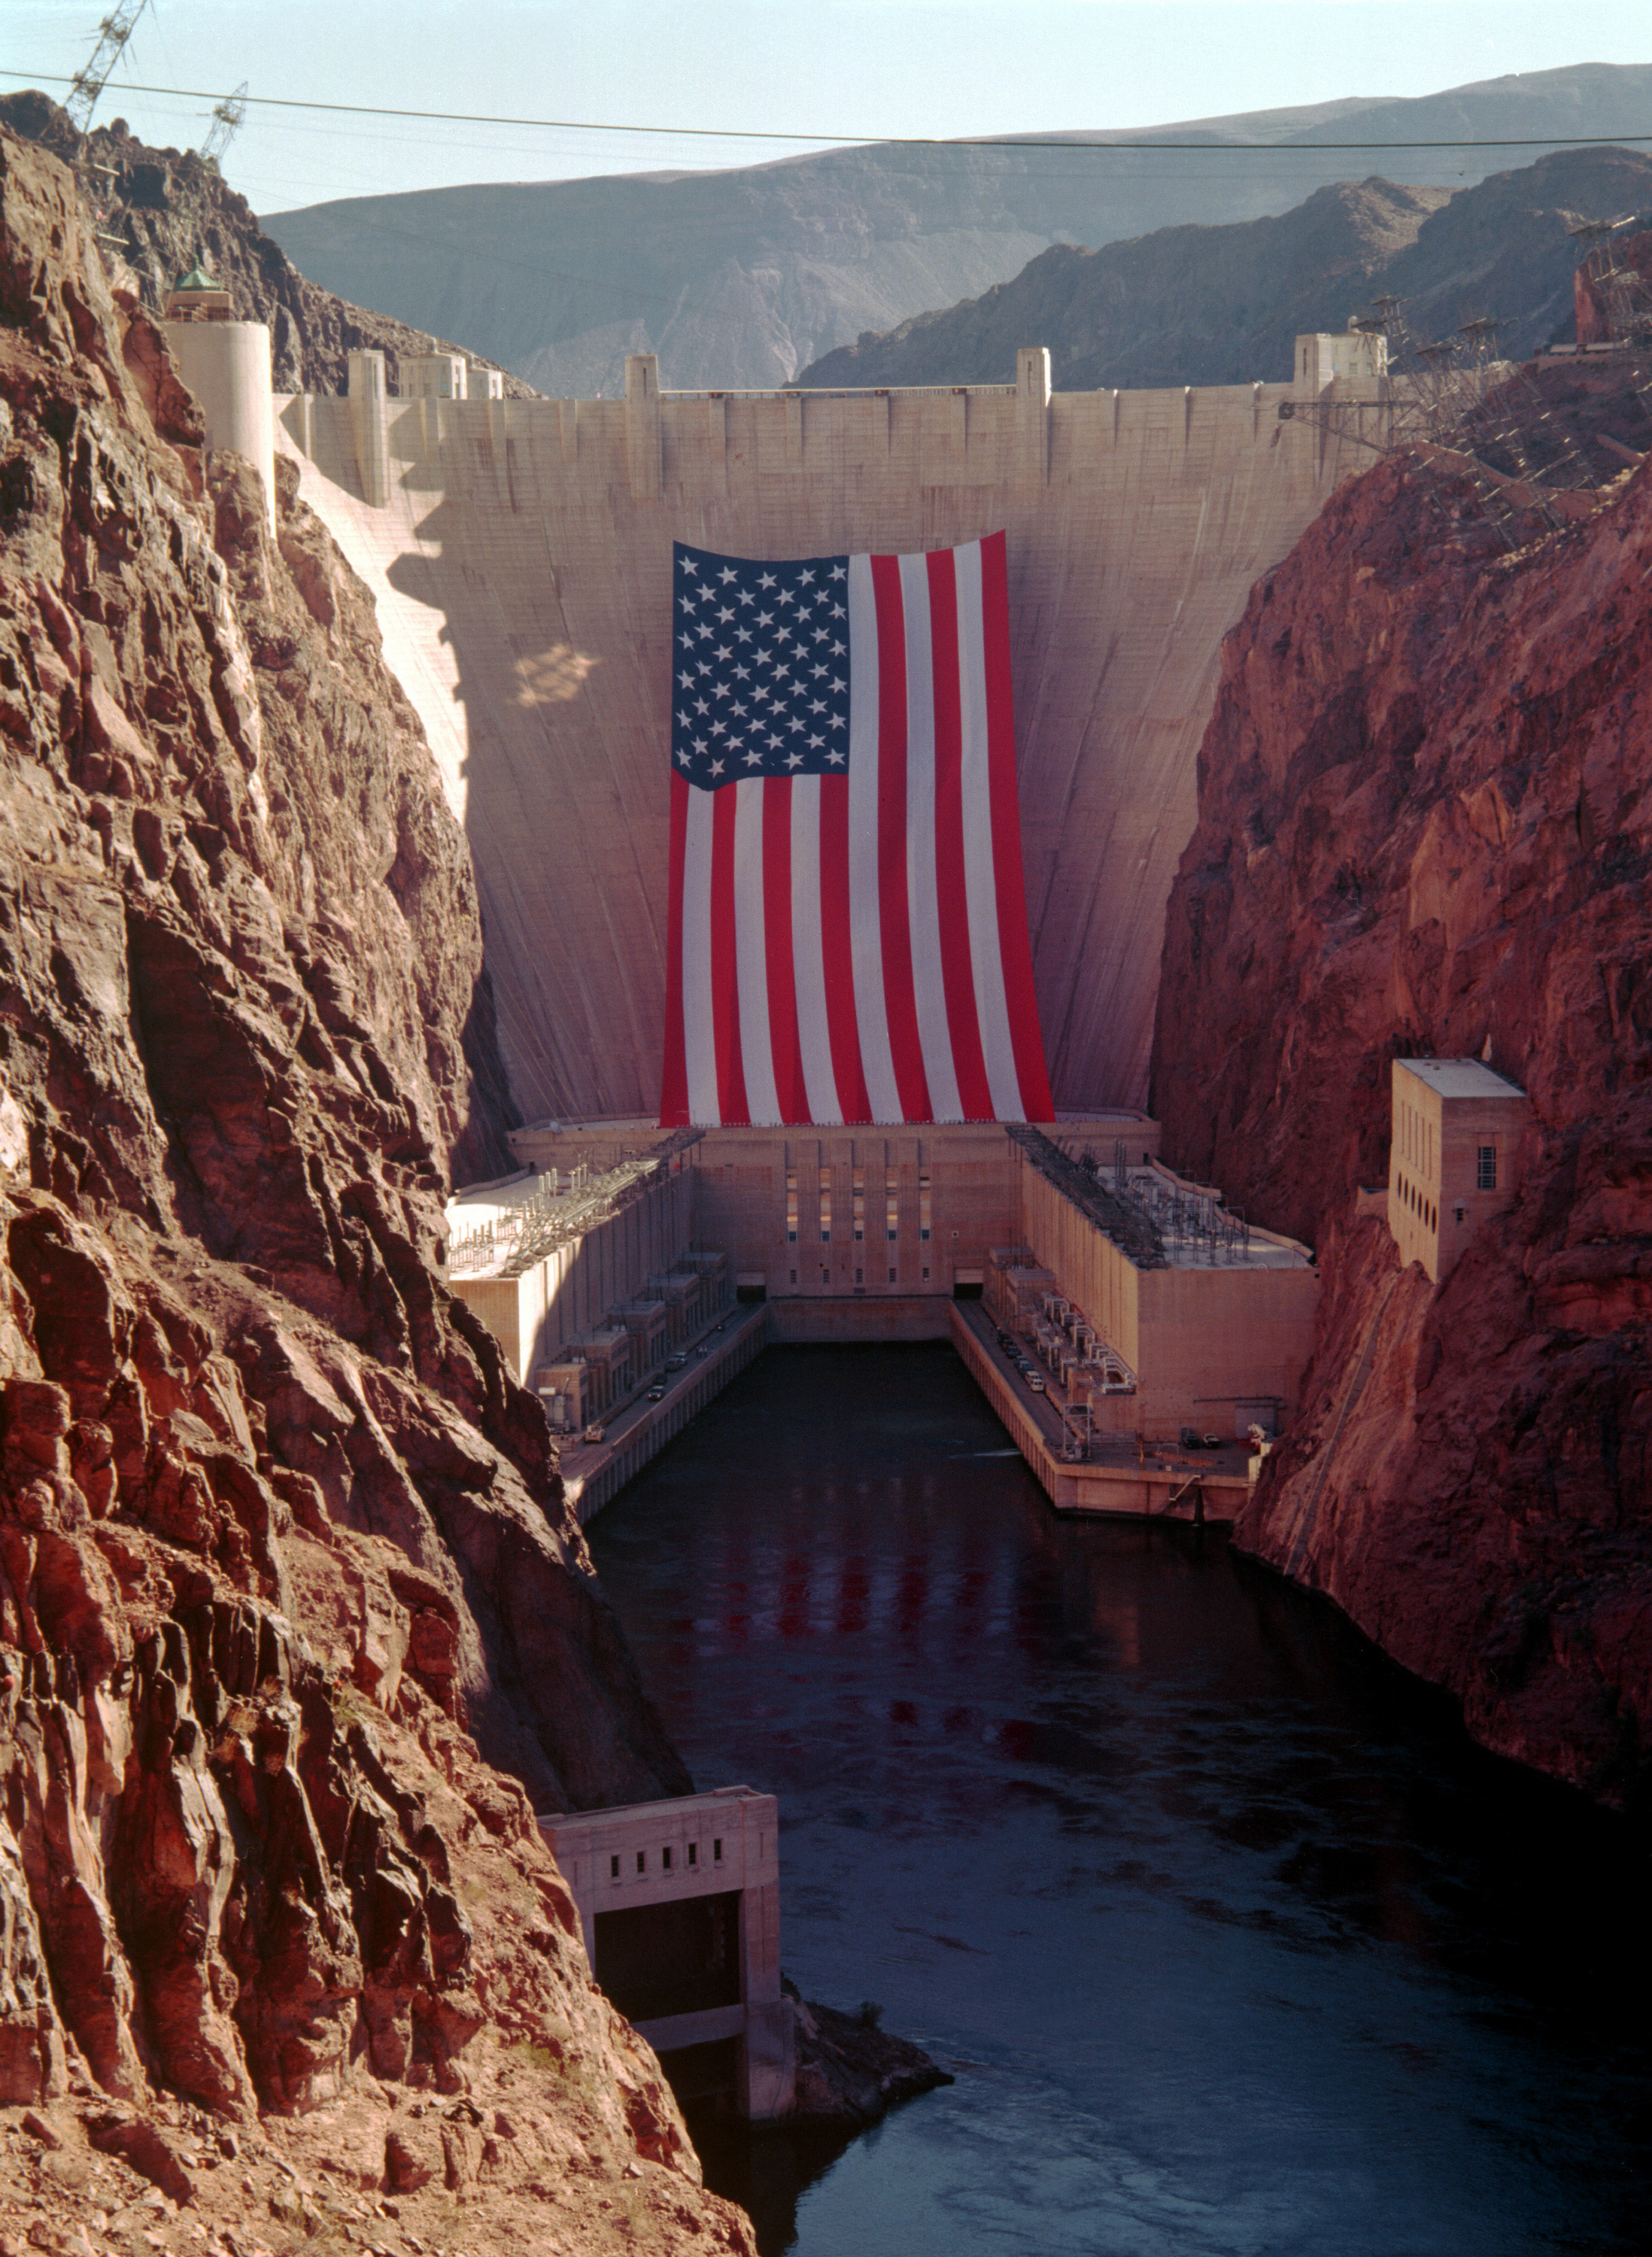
<point>519,554</point>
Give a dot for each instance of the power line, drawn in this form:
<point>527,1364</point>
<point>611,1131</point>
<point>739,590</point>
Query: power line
<point>861,141</point>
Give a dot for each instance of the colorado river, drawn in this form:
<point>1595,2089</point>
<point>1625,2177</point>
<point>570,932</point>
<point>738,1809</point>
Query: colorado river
<point>1232,1942</point>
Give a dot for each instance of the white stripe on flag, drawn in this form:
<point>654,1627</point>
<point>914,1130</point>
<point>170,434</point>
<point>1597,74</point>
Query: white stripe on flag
<point>928,981</point>
<point>808,962</point>
<point>992,1006</point>
<point>756,1046</point>
<point>698,1018</point>
<point>877,1058</point>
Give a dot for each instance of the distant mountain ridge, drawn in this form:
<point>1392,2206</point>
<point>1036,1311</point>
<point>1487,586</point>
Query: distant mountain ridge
<point>1221,305</point>
<point>747,276</point>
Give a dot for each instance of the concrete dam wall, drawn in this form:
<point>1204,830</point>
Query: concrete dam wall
<point>520,555</point>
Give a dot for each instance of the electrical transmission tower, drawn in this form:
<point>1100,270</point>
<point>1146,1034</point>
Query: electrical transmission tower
<point>1466,416</point>
<point>89,82</point>
<point>228,117</point>
<point>1617,287</point>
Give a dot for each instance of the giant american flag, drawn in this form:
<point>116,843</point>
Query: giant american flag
<point>847,916</point>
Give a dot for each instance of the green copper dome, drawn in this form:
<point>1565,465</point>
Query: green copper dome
<point>198,279</point>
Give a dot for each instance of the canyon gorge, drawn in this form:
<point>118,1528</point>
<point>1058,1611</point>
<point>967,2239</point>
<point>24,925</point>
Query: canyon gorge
<point>299,1632</point>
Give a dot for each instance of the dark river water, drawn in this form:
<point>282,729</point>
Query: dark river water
<point>1232,1944</point>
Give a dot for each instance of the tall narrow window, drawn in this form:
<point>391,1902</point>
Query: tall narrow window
<point>923,1204</point>
<point>860,1204</point>
<point>891,1206</point>
<point>825,1207</point>
<point>1485,1169</point>
<point>791,1206</point>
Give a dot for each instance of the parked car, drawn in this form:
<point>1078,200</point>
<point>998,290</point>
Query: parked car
<point>1213,1441</point>
<point>595,1432</point>
<point>1191,1439</point>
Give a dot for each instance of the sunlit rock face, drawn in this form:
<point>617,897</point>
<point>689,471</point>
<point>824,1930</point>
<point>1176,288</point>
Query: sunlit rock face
<point>286,1570</point>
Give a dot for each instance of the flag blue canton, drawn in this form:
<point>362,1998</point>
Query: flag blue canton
<point>760,677</point>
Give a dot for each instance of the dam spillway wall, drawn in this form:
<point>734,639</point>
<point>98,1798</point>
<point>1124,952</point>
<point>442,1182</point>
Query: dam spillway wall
<point>519,552</point>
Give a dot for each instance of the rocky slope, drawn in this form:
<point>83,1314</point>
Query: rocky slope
<point>1425,827</point>
<point>159,210</point>
<point>1221,305</point>
<point>285,1568</point>
<point>746,276</point>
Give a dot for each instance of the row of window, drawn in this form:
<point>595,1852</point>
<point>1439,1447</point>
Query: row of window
<point>860,1276</point>
<point>1419,1207</point>
<point>665,1858</point>
<point>857,1194</point>
<point>1485,1180</point>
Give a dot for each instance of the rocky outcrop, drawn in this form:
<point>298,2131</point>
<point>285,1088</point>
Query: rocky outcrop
<point>1425,828</point>
<point>296,1630</point>
<point>850,2072</point>
<point>159,210</point>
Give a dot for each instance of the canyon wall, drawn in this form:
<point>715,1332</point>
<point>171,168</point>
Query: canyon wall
<point>284,1566</point>
<point>519,553</point>
<point>1425,829</point>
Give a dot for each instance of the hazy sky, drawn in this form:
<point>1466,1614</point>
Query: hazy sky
<point>841,69</point>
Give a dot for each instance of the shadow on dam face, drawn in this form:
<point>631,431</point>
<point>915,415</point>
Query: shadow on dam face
<point>519,554</point>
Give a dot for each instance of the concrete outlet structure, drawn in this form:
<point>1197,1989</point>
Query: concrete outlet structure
<point>680,1902</point>
<point>1453,1157</point>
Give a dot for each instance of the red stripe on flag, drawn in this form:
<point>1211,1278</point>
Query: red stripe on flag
<point>784,1046</point>
<point>673,1093</point>
<point>725,967</point>
<point>1006,835</point>
<point>841,1026</point>
<point>969,1060</point>
<point>894,915</point>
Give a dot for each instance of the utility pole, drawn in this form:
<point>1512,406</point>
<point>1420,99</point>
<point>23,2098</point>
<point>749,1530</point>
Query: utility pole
<point>112,35</point>
<point>228,117</point>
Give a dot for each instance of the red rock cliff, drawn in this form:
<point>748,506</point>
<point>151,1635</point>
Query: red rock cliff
<point>284,1566</point>
<point>1425,828</point>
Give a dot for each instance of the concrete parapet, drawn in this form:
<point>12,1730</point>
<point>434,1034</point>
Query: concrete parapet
<point>1032,414</point>
<point>643,443</point>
